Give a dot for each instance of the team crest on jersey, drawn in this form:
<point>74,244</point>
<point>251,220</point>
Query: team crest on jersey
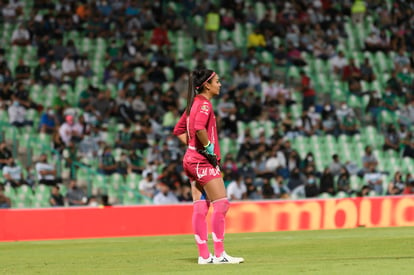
<point>205,108</point>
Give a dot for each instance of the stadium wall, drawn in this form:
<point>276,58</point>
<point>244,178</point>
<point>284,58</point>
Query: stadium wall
<point>262,216</point>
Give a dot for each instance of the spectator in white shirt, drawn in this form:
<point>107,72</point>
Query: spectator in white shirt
<point>338,62</point>
<point>46,173</point>
<point>70,130</point>
<point>237,190</point>
<point>374,180</point>
<point>373,42</point>
<point>55,72</point>
<point>20,36</point>
<point>13,174</point>
<point>69,66</point>
<point>147,186</point>
<point>17,114</point>
<point>165,195</point>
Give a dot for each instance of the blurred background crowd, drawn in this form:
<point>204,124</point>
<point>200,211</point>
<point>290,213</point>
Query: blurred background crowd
<point>316,99</point>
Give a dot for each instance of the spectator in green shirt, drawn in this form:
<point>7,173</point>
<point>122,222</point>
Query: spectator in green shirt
<point>349,125</point>
<point>390,100</point>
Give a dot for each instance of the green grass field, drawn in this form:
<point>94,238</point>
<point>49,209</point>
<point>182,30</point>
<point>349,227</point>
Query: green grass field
<point>354,251</point>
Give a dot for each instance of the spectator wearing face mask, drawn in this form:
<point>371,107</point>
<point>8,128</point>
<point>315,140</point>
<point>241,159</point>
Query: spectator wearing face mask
<point>311,188</point>
<point>48,121</point>
<point>329,121</point>
<point>17,114</point>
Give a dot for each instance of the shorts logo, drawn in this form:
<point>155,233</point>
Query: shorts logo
<point>202,172</point>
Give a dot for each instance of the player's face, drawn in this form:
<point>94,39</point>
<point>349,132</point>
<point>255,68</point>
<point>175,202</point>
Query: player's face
<point>215,85</point>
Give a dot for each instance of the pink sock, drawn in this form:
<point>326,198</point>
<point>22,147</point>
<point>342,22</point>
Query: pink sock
<point>220,208</point>
<point>200,210</point>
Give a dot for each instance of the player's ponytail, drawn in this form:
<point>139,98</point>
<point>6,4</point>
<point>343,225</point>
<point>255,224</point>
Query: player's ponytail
<point>190,94</point>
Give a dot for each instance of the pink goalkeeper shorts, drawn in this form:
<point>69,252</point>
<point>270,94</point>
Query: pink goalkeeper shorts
<point>198,169</point>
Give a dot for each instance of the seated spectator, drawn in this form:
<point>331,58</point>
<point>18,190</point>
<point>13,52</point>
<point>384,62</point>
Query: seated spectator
<point>408,146</point>
<point>160,36</point>
<point>252,191</point>
<point>344,182</point>
<point>401,60</point>
<point>126,111</point>
<point>373,42</point>
<point>226,111</point>
<point>374,106</point>
<point>164,195</point>
<point>55,72</point>
<point>349,124</point>
<point>71,157</point>
<point>102,106</point>
<point>280,56</point>
<point>107,164</point>
<point>338,62</point>
<point>56,198</point>
<point>295,56</point>
<point>236,190</point>
<point>311,187</point>
<point>306,125</point>
<point>406,80</point>
<point>123,165</point>
<point>364,192</point>
<point>136,162</point>
<point>256,39</point>
<point>5,154</point>
<point>20,36</point>
<point>368,160</point>
<point>409,185</point>
<point>17,114</point>
<point>22,72</point>
<point>70,130</point>
<point>268,191</point>
<point>147,185</point>
<point>13,174</point>
<point>46,173</point>
<point>280,188</point>
<point>75,195</point>
<point>329,121</point>
<point>296,179</point>
<point>5,202</point>
<point>124,138</point>
<point>69,68</point>
<point>308,92</point>
<point>395,84</point>
<point>374,180</point>
<point>336,166</point>
<point>83,66</point>
<point>326,183</point>
<point>23,95</point>
<point>390,100</point>
<point>48,121</point>
<point>351,71</point>
<point>392,139</point>
<point>397,184</point>
<point>367,72</point>
<point>140,138</point>
<point>41,73</point>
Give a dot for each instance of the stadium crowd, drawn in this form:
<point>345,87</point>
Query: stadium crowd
<point>115,102</point>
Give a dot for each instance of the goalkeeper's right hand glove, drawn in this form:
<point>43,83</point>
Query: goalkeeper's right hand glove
<point>209,148</point>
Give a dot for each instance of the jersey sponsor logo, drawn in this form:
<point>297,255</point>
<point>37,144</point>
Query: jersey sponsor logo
<point>205,108</point>
<point>202,172</point>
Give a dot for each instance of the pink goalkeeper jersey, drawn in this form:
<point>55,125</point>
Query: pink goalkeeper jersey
<point>201,117</point>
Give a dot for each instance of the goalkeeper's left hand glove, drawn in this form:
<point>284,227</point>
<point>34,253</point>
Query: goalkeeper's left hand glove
<point>209,148</point>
